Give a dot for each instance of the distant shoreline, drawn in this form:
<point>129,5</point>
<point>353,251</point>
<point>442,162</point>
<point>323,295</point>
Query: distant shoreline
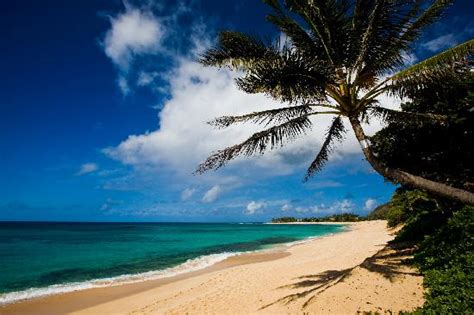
<point>322,223</point>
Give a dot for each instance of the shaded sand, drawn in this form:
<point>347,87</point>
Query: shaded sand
<point>339,274</point>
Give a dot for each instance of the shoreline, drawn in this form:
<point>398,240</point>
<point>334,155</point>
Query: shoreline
<point>197,265</point>
<point>175,292</point>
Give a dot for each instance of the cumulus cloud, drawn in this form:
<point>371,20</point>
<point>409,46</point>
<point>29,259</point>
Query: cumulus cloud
<point>109,204</point>
<point>324,184</point>
<point>132,33</point>
<point>146,78</point>
<point>286,207</point>
<point>338,206</point>
<point>370,204</point>
<point>253,207</point>
<point>87,168</point>
<point>187,193</point>
<point>123,85</point>
<point>441,42</point>
<point>345,205</point>
<point>212,194</point>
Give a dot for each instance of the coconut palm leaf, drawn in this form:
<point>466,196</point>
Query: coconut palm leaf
<point>259,142</point>
<point>238,51</point>
<point>328,20</point>
<point>428,17</point>
<point>335,133</point>
<point>292,77</point>
<point>267,117</point>
<point>407,28</point>
<point>391,115</point>
<point>433,69</point>
<point>305,42</point>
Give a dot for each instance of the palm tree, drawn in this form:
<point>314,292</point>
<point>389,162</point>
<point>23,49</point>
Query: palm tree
<point>339,56</point>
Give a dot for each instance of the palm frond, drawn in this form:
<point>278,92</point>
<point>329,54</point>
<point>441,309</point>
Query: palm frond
<point>407,28</point>
<point>382,45</point>
<point>328,20</point>
<point>275,4</point>
<point>259,142</point>
<point>335,133</point>
<point>433,69</point>
<point>298,36</point>
<point>367,36</point>
<point>236,50</point>
<point>428,17</point>
<point>265,117</point>
<point>292,77</point>
<point>391,115</point>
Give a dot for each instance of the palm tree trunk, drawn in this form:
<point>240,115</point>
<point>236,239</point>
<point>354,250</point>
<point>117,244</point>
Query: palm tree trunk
<point>405,178</point>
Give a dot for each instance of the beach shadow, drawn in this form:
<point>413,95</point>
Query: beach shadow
<point>316,284</point>
<point>390,262</point>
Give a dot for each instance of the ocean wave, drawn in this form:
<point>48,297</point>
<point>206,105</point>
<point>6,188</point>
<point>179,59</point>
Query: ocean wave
<point>188,266</point>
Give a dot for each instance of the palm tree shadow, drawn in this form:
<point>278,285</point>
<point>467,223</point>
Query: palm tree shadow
<point>316,284</point>
<point>388,262</point>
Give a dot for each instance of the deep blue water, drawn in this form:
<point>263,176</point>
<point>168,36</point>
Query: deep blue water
<point>38,255</point>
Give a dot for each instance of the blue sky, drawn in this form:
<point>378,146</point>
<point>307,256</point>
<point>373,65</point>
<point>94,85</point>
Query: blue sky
<point>103,112</point>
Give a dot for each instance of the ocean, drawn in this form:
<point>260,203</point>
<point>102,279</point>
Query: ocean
<point>39,259</point>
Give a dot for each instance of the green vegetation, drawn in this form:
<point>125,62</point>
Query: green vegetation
<point>444,233</point>
<point>442,229</point>
<point>380,212</point>
<point>447,260</point>
<point>343,217</point>
<point>285,220</point>
<point>438,150</point>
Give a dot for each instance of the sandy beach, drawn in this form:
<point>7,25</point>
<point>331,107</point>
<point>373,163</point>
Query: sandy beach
<point>345,273</point>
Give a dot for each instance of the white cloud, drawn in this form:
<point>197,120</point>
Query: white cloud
<point>212,194</point>
<point>286,207</point>
<point>187,193</point>
<point>146,78</point>
<point>109,204</point>
<point>123,85</point>
<point>87,168</point>
<point>345,205</point>
<point>339,206</point>
<point>370,204</point>
<point>441,42</point>
<point>132,33</point>
<point>324,184</point>
<point>253,207</point>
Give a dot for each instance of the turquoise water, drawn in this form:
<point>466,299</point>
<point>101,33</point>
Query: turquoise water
<point>59,257</point>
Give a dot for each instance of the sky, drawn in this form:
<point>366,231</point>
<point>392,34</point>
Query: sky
<point>103,110</point>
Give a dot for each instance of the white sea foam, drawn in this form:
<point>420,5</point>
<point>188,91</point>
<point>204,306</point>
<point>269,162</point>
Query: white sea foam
<point>188,266</point>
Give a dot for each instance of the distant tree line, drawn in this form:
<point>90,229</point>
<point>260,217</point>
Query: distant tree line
<point>343,217</point>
